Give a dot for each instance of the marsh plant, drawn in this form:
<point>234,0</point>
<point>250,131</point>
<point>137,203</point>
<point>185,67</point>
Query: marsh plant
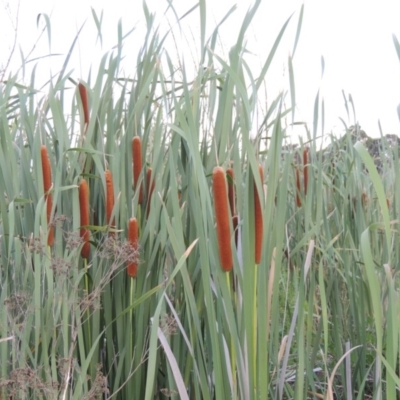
<point>159,241</point>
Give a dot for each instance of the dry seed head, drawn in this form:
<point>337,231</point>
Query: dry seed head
<point>137,165</point>
<point>132,267</point>
<point>258,218</point>
<point>109,196</point>
<point>364,199</point>
<point>222,218</point>
<point>298,200</point>
<point>85,102</point>
<point>46,171</point>
<point>84,210</point>
<point>150,185</point>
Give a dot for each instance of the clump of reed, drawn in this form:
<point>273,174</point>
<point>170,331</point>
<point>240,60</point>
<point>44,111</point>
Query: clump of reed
<point>85,319</point>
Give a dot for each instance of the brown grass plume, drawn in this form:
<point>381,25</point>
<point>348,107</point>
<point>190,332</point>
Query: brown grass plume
<point>137,165</point>
<point>85,102</point>
<point>222,218</point>
<point>109,196</point>
<point>46,170</point>
<point>84,209</point>
<point>132,267</point>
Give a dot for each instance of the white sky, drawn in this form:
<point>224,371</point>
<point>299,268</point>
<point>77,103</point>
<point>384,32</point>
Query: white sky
<point>353,36</point>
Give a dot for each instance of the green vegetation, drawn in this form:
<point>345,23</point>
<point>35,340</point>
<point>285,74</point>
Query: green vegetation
<point>316,318</point>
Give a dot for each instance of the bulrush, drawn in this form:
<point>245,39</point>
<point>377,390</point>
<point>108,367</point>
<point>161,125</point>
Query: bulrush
<point>305,169</point>
<point>298,200</point>
<point>150,185</point>
<point>258,218</point>
<point>46,170</point>
<point>132,267</point>
<point>222,218</point>
<point>137,165</point>
<point>85,103</point>
<point>84,208</point>
<point>109,196</point>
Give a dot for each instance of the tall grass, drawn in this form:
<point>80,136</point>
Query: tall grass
<point>310,307</point>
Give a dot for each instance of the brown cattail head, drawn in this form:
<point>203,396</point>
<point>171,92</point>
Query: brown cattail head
<point>231,190</point>
<point>222,218</point>
<point>258,218</point>
<point>235,220</point>
<point>298,200</point>
<point>85,103</point>
<point>132,267</point>
<point>364,199</point>
<point>305,169</point>
<point>46,170</point>
<point>84,208</point>
<point>388,203</point>
<point>137,165</point>
<point>150,185</point>
<point>109,197</point>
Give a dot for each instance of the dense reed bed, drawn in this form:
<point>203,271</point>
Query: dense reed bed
<point>190,257</point>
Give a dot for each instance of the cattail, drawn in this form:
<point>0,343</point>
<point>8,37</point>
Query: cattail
<point>305,169</point>
<point>298,200</point>
<point>222,218</point>
<point>84,208</point>
<point>85,103</point>
<point>258,218</point>
<point>46,170</point>
<point>150,184</point>
<point>364,199</point>
<point>137,165</point>
<point>109,196</point>
<point>132,267</point>
<point>388,203</point>
<point>235,220</point>
<point>231,190</point>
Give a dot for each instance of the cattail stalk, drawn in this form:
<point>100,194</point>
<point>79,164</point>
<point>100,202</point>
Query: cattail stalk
<point>109,197</point>
<point>137,165</point>
<point>84,209</point>
<point>305,170</point>
<point>150,184</point>
<point>298,200</point>
<point>132,267</point>
<point>85,103</point>
<point>46,170</point>
<point>258,218</point>
<point>222,218</point>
